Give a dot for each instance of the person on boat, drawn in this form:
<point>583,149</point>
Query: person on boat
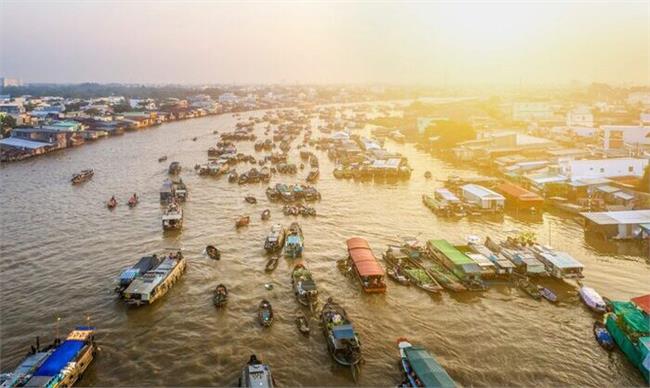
<point>134,197</point>
<point>253,360</point>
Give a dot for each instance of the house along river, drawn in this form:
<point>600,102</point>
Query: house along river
<point>62,250</point>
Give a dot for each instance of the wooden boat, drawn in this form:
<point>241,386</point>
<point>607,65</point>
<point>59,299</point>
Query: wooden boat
<point>275,239</point>
<point>342,340</point>
<point>133,201</point>
<point>242,221</point>
<point>213,252</point>
<point>144,265</point>
<point>420,273</point>
<point>220,296</point>
<point>304,287</point>
<point>194,138</point>
<point>427,174</point>
<point>82,176</point>
<point>365,265</point>
<point>256,375</point>
<point>266,215</point>
<point>60,364</point>
<point>156,282</point>
<point>233,176</point>
<point>172,218</point>
<point>547,294</point>
<point>313,175</point>
<point>112,203</point>
<point>265,313</point>
<point>420,368</point>
<point>272,264</point>
<point>529,288</point>
<point>162,158</point>
<point>592,299</point>
<point>303,325</point>
<point>603,337</point>
<point>250,199</point>
<point>174,168</point>
<point>294,241</point>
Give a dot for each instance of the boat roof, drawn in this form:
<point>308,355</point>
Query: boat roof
<point>150,280</point>
<point>363,258</point>
<point>642,302</point>
<point>625,217</point>
<point>293,239</point>
<point>480,259</point>
<point>635,320</point>
<point>63,354</point>
<point>447,195</point>
<point>451,252</point>
<point>481,192</point>
<point>428,370</point>
<point>561,259</point>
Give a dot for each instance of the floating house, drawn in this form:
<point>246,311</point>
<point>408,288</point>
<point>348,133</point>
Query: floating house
<point>483,198</point>
<point>518,197</point>
<point>558,264</point>
<point>456,261</point>
<point>619,225</point>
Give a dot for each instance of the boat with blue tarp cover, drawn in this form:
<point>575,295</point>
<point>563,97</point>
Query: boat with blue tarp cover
<point>156,282</point>
<point>127,276</point>
<point>421,369</point>
<point>58,365</point>
<point>342,340</point>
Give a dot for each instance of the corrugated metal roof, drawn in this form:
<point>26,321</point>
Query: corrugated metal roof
<point>22,143</point>
<point>626,217</point>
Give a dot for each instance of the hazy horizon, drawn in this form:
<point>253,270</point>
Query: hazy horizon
<point>317,43</point>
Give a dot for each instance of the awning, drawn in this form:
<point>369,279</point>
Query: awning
<point>643,302</point>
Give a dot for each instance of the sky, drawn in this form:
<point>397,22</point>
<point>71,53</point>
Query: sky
<point>434,43</point>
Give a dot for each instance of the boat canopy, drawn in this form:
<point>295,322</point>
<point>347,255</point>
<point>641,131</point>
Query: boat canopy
<point>642,302</point>
<point>453,254</point>
<point>635,321</point>
<point>67,352</point>
<point>446,195</point>
<point>561,259</point>
<point>362,257</point>
<point>342,332</point>
<point>430,373</point>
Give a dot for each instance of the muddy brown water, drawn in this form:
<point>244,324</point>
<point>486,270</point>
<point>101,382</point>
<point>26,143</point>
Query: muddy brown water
<point>62,250</point>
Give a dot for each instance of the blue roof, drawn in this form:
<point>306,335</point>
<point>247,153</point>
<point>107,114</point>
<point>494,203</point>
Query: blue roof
<point>65,353</point>
<point>343,332</point>
<point>293,239</point>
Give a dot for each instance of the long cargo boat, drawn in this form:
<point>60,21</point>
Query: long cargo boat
<point>58,365</point>
<point>420,368</point>
<point>420,257</point>
<point>401,265</point>
<point>457,262</point>
<point>156,282</point>
<point>369,272</point>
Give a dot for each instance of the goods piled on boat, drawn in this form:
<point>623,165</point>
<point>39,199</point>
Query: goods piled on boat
<point>156,282</point>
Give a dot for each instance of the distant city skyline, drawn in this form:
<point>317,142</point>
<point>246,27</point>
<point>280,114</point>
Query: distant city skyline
<point>361,43</point>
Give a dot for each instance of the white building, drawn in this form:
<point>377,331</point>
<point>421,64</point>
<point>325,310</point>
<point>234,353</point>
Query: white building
<point>483,197</point>
<point>531,111</point>
<point>639,98</point>
<point>580,117</point>
<point>602,168</point>
<point>617,136</point>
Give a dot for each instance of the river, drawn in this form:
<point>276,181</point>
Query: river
<point>62,250</point>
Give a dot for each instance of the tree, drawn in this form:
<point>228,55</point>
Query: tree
<point>644,185</point>
<point>6,123</point>
<point>450,133</point>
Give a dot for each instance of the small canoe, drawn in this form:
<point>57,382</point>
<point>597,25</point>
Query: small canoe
<point>111,204</point>
<point>397,276</point>
<point>266,214</point>
<point>603,337</point>
<point>220,296</point>
<point>547,294</point>
<point>194,138</point>
<point>427,174</point>
<point>162,158</point>
<point>242,221</point>
<point>133,201</point>
<point>272,264</point>
<point>530,289</point>
<point>265,313</point>
<point>303,325</point>
<point>592,299</point>
<point>251,199</point>
<point>213,252</point>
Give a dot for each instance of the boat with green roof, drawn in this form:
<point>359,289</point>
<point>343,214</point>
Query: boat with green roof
<point>457,262</point>
<point>420,368</point>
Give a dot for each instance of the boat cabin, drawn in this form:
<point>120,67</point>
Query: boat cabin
<point>456,261</point>
<point>370,273</point>
<point>559,264</point>
<point>488,269</point>
<point>483,198</point>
